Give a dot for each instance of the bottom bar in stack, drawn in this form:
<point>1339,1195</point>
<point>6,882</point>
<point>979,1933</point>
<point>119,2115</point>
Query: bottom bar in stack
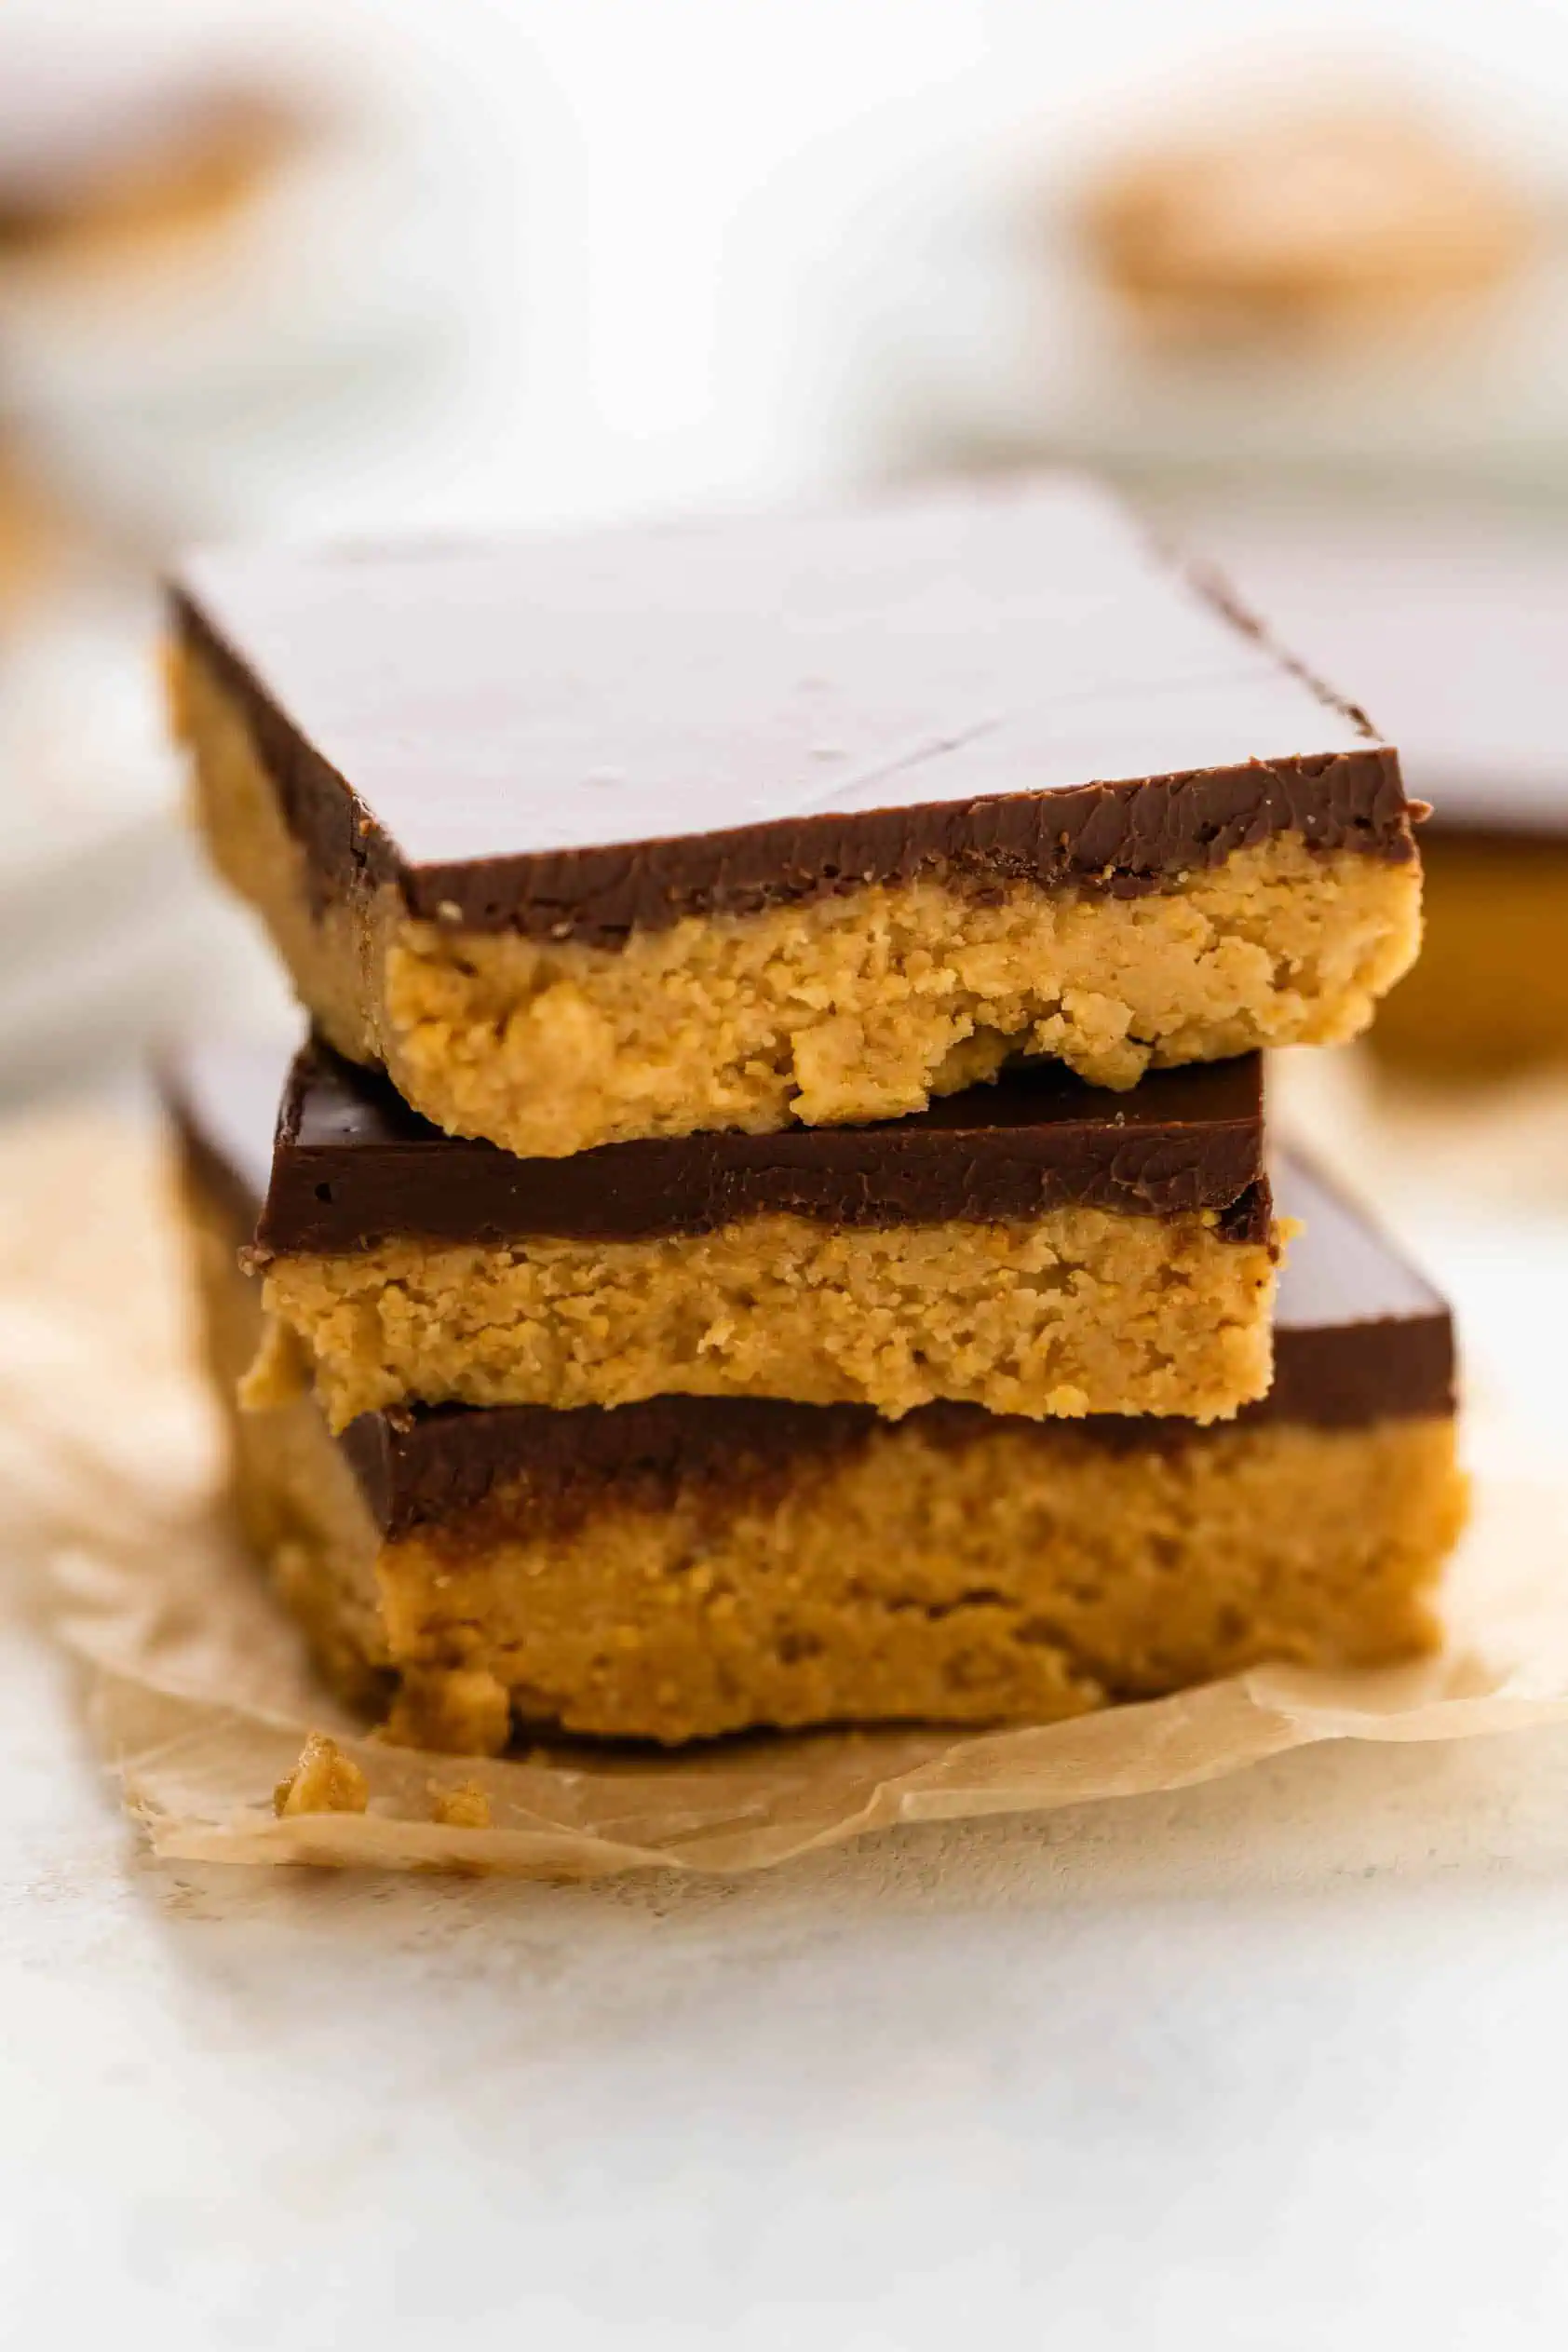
<point>688,1567</point>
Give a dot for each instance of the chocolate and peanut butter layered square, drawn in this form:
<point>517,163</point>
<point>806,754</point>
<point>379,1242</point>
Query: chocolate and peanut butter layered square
<point>686,1566</point>
<point>738,825</point>
<point>1036,1247</point>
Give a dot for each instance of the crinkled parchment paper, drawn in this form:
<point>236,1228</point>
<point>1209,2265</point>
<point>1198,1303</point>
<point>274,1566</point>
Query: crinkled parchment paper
<point>200,1697</point>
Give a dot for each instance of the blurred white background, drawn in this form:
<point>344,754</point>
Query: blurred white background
<point>594,257</point>
<point>687,248</point>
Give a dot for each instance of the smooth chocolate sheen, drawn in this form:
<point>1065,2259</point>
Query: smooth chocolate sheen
<point>353,1166</point>
<point>578,737</point>
<point>1360,1337</point>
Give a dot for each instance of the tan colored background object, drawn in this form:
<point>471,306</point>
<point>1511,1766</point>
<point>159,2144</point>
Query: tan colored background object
<point>188,174</point>
<point>1488,1000</point>
<point>1302,221</point>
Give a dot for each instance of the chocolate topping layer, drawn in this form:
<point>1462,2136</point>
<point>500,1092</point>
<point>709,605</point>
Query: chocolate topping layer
<point>1360,1337</point>
<point>576,737</point>
<point>353,1166</point>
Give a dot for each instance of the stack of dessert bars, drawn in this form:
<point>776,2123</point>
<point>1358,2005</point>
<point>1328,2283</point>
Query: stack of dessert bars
<point>771,1226</point>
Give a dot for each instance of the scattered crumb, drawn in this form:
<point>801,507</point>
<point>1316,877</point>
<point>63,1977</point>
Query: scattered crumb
<point>324,1780</point>
<point>279,1372</point>
<point>458,1711</point>
<point>464,1807</point>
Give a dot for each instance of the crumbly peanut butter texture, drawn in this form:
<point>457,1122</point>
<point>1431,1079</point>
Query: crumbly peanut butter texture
<point>852,1008</point>
<point>1012,1576</point>
<point>1083,1311</point>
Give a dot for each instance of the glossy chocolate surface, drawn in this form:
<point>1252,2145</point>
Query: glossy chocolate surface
<point>574,737</point>
<point>352,1165</point>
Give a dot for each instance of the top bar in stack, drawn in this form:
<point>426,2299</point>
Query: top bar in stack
<point>733,825</point>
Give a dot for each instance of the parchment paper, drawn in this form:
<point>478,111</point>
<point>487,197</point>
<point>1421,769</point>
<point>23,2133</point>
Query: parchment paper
<point>200,1697</point>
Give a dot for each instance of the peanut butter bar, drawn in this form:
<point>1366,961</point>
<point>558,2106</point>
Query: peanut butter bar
<point>685,1566</point>
<point>813,820</point>
<point>1036,1247</point>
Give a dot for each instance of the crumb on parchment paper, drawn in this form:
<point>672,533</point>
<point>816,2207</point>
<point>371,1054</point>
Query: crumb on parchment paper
<point>463,1808</point>
<point>324,1780</point>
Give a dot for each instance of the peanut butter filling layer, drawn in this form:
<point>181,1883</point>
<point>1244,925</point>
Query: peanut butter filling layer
<point>1083,1311</point>
<point>858,1006</point>
<point>1019,1574</point>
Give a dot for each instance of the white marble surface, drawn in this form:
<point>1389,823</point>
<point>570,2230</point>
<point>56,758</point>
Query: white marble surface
<point>1270,2065</point>
<point>1273,2065</point>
